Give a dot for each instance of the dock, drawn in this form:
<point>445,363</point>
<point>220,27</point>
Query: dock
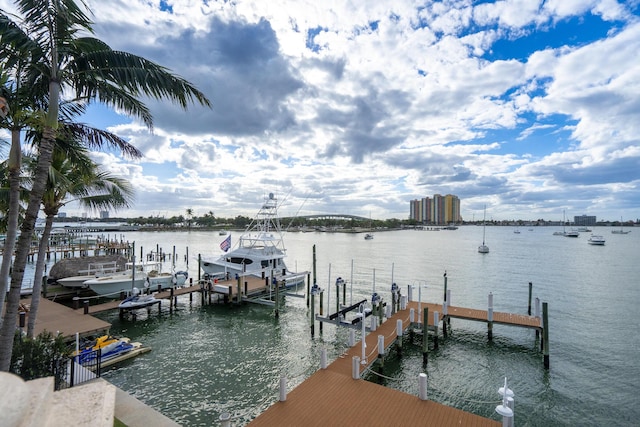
<point>54,317</point>
<point>332,396</point>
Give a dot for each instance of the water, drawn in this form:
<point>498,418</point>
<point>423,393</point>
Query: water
<point>214,359</point>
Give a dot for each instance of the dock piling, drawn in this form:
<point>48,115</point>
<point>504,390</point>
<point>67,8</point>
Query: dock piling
<point>283,389</point>
<point>425,336</point>
<point>490,317</point>
<point>423,386</point>
<point>545,334</point>
<point>399,336</point>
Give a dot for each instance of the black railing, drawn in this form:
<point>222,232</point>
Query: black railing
<point>78,369</point>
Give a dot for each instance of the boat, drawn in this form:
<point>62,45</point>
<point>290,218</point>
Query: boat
<point>621,231</point>
<point>564,232</point>
<point>157,279</point>
<point>596,239</point>
<point>109,347</point>
<point>138,300</point>
<point>584,230</point>
<point>259,252</point>
<point>94,270</point>
<point>222,232</point>
<point>516,231</point>
<point>112,285</point>
<point>483,248</point>
<point>112,350</point>
<point>147,275</point>
<point>572,233</point>
<point>369,235</point>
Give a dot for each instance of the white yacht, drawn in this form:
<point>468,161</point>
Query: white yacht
<point>259,251</point>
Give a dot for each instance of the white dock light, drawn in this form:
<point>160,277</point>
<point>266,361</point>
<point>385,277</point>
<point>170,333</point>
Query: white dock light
<point>504,409</point>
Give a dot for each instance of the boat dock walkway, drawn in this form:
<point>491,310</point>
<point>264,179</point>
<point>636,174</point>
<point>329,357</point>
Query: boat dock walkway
<point>54,317</point>
<point>332,396</point>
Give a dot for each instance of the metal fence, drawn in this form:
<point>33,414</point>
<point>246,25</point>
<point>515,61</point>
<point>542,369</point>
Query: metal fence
<point>78,369</point>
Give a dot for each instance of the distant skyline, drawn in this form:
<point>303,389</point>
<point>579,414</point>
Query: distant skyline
<point>531,108</point>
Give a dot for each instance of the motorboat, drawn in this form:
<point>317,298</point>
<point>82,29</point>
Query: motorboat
<point>368,236</point>
<point>112,285</point>
<point>145,275</point>
<point>259,251</point>
<point>94,270</point>
<point>157,279</point>
<point>572,233</point>
<point>596,240</point>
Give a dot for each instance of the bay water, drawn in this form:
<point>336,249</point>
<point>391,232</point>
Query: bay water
<point>207,360</point>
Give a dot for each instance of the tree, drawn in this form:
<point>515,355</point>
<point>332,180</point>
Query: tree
<point>189,216</point>
<point>73,177</point>
<point>91,71</point>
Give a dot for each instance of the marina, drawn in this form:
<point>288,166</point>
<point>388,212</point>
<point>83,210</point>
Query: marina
<point>465,369</point>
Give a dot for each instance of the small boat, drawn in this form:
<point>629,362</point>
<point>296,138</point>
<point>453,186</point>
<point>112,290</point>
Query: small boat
<point>621,231</point>
<point>94,270</point>
<point>222,232</point>
<point>596,240</point>
<point>259,252</point>
<point>483,248</point>
<point>368,236</point>
<point>572,233</point>
<point>138,300</point>
<point>584,230</point>
<point>109,347</point>
<point>145,275</point>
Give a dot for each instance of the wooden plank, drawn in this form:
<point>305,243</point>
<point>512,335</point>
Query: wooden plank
<point>55,317</point>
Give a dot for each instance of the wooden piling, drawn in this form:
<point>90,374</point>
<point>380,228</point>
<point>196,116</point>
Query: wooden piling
<point>490,317</point>
<point>321,310</point>
<point>312,314</point>
<point>277,310</point>
<point>545,334</point>
<point>425,336</point>
<point>435,325</point>
<point>530,292</point>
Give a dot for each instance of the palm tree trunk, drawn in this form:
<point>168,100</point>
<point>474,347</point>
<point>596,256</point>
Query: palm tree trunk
<point>37,278</point>
<point>39,183</point>
<point>15,162</point>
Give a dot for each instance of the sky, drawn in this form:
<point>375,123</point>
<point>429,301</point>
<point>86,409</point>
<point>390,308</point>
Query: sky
<point>529,107</point>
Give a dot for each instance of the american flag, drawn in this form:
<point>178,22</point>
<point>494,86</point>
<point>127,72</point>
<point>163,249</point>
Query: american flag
<point>226,243</point>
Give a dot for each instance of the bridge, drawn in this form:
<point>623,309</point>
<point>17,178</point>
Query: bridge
<point>341,217</point>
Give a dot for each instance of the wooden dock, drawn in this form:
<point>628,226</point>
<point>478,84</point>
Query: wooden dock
<point>54,317</point>
<point>332,396</point>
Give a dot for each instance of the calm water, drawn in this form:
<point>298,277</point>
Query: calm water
<point>213,359</point>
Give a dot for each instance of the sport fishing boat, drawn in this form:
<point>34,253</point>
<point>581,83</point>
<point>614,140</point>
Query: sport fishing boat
<point>259,252</point>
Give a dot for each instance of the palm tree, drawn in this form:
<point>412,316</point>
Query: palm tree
<point>189,217</point>
<point>73,177</point>
<point>91,71</point>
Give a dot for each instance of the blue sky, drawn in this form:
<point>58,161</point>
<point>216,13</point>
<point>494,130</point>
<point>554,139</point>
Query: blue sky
<point>529,107</point>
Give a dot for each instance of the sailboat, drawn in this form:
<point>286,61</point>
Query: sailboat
<point>483,248</point>
<point>369,235</point>
<point>621,231</point>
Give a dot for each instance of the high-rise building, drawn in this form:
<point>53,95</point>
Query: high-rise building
<point>584,220</point>
<point>439,210</point>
